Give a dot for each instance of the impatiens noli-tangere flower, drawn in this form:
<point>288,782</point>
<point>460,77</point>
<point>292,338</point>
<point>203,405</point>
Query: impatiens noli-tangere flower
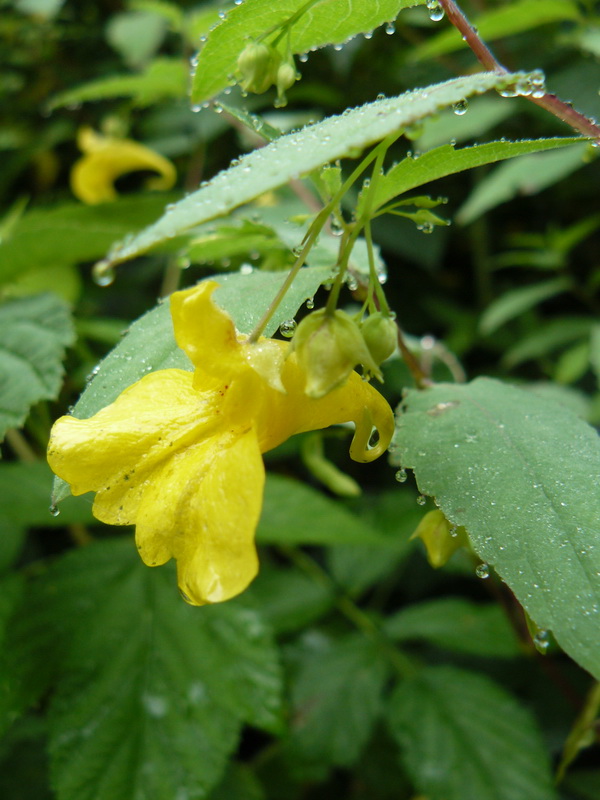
<point>178,453</point>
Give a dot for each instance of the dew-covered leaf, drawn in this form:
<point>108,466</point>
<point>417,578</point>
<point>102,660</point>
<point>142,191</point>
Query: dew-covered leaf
<point>297,153</point>
<point>525,176</point>
<point>520,473</point>
<point>34,333</point>
<point>150,344</point>
<point>162,78</point>
<point>150,693</point>
<point>462,737</point>
<point>496,23</point>
<point>333,22</point>
<point>454,623</point>
<point>336,699</point>
<point>446,160</point>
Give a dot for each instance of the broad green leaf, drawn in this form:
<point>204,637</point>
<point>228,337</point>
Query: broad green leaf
<point>151,693</point>
<point>483,113</point>
<point>508,20</point>
<point>150,345</point>
<point>72,233</point>
<point>330,22</point>
<point>336,699</point>
<point>284,521</point>
<point>34,333</point>
<point>515,302</point>
<point>521,474</point>
<point>464,738</point>
<point>289,599</point>
<point>43,8</point>
<point>162,78</point>
<point>135,35</point>
<point>446,160</point>
<point>453,623</point>
<point>525,176</point>
<point>297,153</point>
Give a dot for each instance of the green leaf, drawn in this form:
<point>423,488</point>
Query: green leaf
<point>515,18</point>
<point>150,344</point>
<point>135,35</point>
<point>513,303</point>
<point>297,153</point>
<point>521,474</point>
<point>151,693</point>
<point>465,738</point>
<point>34,333</point>
<point>595,351</point>
<point>547,338</point>
<point>290,599</point>
<point>162,78</point>
<point>336,699</point>
<point>72,233</point>
<point>284,521</point>
<point>526,176</point>
<point>446,160</point>
<point>453,623</point>
<point>332,22</point>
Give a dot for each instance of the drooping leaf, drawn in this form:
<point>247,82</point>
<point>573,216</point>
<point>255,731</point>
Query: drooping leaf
<point>458,624</point>
<point>332,22</point>
<point>526,176</point>
<point>517,301</point>
<point>336,699</point>
<point>151,693</point>
<point>150,344</point>
<point>297,153</point>
<point>34,332</point>
<point>496,23</point>
<point>462,737</point>
<point>521,474</point>
<point>162,78</point>
<point>446,160</point>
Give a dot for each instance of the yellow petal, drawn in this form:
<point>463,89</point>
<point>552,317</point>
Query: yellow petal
<point>106,159</point>
<point>115,452</point>
<point>203,508</point>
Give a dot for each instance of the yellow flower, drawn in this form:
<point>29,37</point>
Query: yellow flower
<point>106,159</point>
<point>178,454</point>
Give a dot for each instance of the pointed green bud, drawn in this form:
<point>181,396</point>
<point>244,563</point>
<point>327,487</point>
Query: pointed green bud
<point>441,539</point>
<point>381,335</point>
<point>286,77</point>
<point>258,65</point>
<point>328,347</point>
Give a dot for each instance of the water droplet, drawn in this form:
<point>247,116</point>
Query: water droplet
<point>288,328</point>
<point>54,510</point>
<point>222,14</point>
<point>336,228</point>
<point>541,641</point>
<point>425,227</point>
<point>351,282</point>
<point>303,58</point>
<point>380,96</point>
<point>421,500</point>
<point>338,47</point>
<point>237,2</point>
<point>453,531</point>
<point>310,303</point>
<point>103,274</point>
<point>482,571</point>
<point>246,269</point>
<point>390,28</point>
<point>401,476</point>
<point>368,35</point>
<point>436,12</point>
<point>460,108</point>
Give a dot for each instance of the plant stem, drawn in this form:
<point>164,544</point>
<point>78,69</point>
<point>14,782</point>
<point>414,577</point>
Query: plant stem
<point>484,55</point>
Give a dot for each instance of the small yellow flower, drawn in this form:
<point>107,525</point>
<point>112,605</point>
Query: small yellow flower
<point>106,158</point>
<point>178,454</point>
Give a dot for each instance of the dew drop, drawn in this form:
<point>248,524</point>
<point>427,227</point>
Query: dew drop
<point>103,274</point>
<point>425,227</point>
<point>390,29</point>
<point>338,47</point>
<point>421,500</point>
<point>336,228</point>
<point>303,58</point>
<point>453,531</point>
<point>237,2</point>
<point>436,12</point>
<point>401,476</point>
<point>482,571</point>
<point>54,510</point>
<point>288,328</point>
<point>368,35</point>
<point>310,303</point>
<point>460,108</point>
<point>541,641</point>
<point>246,269</point>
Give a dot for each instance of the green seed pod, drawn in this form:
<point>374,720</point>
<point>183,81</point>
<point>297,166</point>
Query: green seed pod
<point>286,77</point>
<point>381,335</point>
<point>328,347</point>
<point>258,65</point>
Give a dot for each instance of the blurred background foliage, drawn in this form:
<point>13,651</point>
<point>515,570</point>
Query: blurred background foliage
<point>509,289</point>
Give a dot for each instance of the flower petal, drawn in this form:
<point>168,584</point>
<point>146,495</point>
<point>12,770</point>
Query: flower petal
<point>116,451</point>
<point>203,508</point>
<point>106,159</point>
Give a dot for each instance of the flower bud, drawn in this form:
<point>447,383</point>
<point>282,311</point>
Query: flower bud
<point>441,540</point>
<point>286,77</point>
<point>328,347</point>
<point>381,336</point>
<point>258,65</point>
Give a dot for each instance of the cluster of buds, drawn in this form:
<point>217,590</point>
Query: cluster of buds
<point>329,345</point>
<point>261,66</point>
